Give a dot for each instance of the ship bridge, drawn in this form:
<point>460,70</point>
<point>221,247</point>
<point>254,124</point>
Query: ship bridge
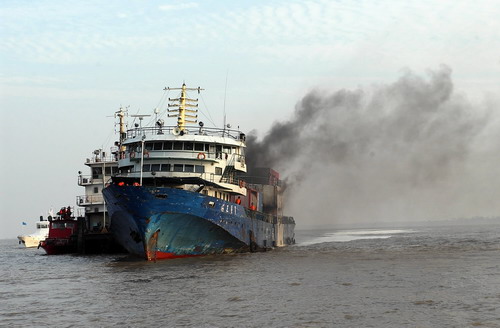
<point>195,158</point>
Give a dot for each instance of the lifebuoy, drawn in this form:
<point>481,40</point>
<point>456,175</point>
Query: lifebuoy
<point>201,156</point>
<point>146,153</point>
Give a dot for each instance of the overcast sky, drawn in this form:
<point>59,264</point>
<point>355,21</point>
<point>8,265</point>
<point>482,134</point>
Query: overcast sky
<point>68,65</point>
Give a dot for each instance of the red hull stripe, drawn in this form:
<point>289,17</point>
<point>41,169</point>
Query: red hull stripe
<point>167,255</point>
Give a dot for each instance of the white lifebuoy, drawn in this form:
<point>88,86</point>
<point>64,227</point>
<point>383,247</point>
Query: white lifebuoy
<point>201,156</point>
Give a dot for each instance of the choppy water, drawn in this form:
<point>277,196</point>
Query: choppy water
<point>409,277</point>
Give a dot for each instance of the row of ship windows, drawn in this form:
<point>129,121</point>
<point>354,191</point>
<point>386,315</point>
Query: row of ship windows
<point>183,145</point>
<point>221,195</point>
<point>173,168</point>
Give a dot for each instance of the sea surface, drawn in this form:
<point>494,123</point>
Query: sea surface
<point>410,276</point>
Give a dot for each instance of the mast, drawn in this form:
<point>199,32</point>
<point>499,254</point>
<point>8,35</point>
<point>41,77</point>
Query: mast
<point>182,112</point>
<point>123,129</point>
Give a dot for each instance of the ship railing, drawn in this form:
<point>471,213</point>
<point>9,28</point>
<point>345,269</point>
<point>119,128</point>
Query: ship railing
<point>188,154</point>
<point>79,212</point>
<point>205,131</point>
<point>108,159</point>
<point>207,176</point>
<point>84,180</point>
<point>84,200</point>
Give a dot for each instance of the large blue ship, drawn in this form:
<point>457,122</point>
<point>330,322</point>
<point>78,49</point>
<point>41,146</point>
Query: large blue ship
<point>184,190</point>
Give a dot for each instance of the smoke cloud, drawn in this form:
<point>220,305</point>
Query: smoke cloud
<point>409,150</point>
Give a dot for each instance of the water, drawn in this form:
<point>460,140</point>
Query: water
<point>409,277</point>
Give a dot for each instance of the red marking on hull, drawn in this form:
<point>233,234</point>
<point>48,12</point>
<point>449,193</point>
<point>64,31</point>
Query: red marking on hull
<point>55,249</point>
<point>167,256</point>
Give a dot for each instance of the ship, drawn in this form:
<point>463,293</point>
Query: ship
<point>62,236</point>
<point>32,240</point>
<point>184,190</point>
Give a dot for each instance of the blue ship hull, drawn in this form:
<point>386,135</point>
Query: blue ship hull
<point>162,222</point>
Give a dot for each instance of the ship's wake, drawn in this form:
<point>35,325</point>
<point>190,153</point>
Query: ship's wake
<point>350,235</point>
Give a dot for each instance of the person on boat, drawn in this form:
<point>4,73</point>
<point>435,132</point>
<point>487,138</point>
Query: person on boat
<point>238,200</point>
<point>68,212</point>
<point>252,207</point>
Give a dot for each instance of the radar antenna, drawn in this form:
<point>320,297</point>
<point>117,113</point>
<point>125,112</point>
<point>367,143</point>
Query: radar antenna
<point>181,105</point>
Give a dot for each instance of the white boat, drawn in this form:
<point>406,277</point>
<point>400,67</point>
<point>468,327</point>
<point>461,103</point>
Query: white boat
<point>42,232</point>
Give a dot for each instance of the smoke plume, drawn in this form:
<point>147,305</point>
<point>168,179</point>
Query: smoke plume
<point>402,151</point>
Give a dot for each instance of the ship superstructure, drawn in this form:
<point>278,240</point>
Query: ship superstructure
<point>102,166</point>
<point>179,190</point>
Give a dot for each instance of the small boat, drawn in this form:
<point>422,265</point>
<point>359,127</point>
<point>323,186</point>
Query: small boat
<point>62,238</point>
<point>42,232</point>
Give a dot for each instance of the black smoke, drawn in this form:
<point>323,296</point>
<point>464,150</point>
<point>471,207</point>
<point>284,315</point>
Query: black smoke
<point>401,149</point>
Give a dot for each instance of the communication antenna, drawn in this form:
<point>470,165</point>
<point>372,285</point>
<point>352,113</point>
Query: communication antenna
<point>181,106</point>
<point>140,117</point>
<point>156,111</point>
<point>121,113</point>
<point>224,107</point>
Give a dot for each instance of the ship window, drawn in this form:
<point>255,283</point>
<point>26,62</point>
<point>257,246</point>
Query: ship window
<point>227,149</point>
<point>199,147</point>
<point>218,148</point>
<point>165,168</point>
<point>148,146</point>
<point>177,145</point>
<point>188,146</point>
<point>96,190</point>
<point>155,167</point>
<point>167,145</point>
<point>108,171</point>
<point>178,167</point>
<point>218,170</point>
<point>207,147</point>
<point>96,172</point>
<point>146,168</point>
<point>199,169</point>
<point>158,146</point>
<point>188,168</point>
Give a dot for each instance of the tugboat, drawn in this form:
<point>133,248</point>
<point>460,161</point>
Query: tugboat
<point>183,191</point>
<point>62,237</point>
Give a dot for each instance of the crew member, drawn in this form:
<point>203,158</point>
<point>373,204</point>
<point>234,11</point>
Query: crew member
<point>238,201</point>
<point>252,207</point>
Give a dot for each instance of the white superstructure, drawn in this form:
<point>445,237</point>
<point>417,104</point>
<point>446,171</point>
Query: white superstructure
<point>32,240</point>
<point>102,166</point>
<point>194,158</point>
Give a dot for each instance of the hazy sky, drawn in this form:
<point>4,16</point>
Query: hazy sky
<point>68,65</point>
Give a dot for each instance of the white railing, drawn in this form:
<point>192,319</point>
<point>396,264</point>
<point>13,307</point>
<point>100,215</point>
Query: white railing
<point>140,131</point>
<point>84,200</point>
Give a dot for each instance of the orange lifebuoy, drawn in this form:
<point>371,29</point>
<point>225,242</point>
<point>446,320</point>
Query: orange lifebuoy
<point>201,156</point>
